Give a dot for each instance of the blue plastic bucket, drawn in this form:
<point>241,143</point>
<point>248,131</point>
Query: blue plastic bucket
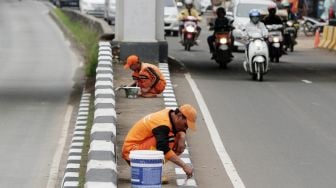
<point>146,168</point>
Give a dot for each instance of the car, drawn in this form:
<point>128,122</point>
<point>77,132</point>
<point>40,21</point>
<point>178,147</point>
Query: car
<point>202,5</point>
<point>240,10</point>
<point>110,11</point>
<point>64,3</point>
<point>171,23</point>
<point>92,7</point>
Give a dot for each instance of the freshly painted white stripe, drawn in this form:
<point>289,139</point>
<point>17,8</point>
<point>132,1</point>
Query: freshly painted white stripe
<point>170,103</point>
<point>104,76</point>
<point>54,168</point>
<point>81,122</point>
<point>86,100</point>
<point>71,174</point>
<point>74,157</point>
<point>72,165</point>
<point>170,107</point>
<point>86,95</point>
<point>186,151</point>
<point>83,113</point>
<point>104,48</point>
<point>78,138</point>
<point>80,127</point>
<point>104,91</point>
<point>84,105</point>
<point>83,109</point>
<point>79,132</point>
<point>104,83</point>
<point>186,160</point>
<point>106,53</point>
<point>82,118</point>
<point>101,164</point>
<point>179,171</point>
<point>307,81</point>
<point>216,140</point>
<point>105,112</point>
<point>103,127</point>
<point>76,150</point>
<point>91,184</point>
<point>104,69</point>
<point>102,43</point>
<point>107,58</point>
<point>105,100</point>
<point>169,99</point>
<point>186,182</point>
<point>71,184</point>
<point>168,95</point>
<point>102,145</point>
<point>77,144</point>
<point>168,91</point>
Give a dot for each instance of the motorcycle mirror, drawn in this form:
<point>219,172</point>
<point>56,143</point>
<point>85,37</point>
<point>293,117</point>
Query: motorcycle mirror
<point>179,4</point>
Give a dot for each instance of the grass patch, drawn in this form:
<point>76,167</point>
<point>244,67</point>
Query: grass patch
<point>86,37</point>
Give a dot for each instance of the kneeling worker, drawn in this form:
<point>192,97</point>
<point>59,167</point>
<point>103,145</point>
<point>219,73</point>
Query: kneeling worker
<point>164,130</point>
<point>147,76</point>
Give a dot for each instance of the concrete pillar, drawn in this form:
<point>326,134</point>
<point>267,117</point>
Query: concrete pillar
<point>139,29</point>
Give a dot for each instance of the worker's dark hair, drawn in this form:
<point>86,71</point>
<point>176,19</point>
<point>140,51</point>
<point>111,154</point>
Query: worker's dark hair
<point>176,111</point>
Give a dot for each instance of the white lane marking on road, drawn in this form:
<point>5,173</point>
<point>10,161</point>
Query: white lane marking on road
<point>216,140</point>
<point>53,174</point>
<point>307,81</point>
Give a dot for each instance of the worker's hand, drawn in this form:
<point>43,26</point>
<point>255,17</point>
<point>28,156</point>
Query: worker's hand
<point>188,170</point>
<point>180,145</point>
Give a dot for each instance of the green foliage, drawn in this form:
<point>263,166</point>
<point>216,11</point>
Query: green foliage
<point>86,37</point>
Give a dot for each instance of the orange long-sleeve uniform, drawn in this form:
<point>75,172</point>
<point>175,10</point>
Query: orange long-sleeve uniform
<point>153,132</point>
<point>151,77</point>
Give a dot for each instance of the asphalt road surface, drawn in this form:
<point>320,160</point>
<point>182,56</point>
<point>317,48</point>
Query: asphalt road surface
<point>36,80</point>
<point>278,133</point>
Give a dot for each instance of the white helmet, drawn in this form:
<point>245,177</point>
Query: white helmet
<point>187,2</point>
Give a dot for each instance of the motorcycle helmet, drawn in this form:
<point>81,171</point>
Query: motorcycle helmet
<point>272,10</point>
<point>188,2</point>
<point>254,16</point>
<point>220,12</point>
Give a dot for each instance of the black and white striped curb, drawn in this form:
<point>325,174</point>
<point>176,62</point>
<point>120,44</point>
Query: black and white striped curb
<point>71,174</point>
<point>101,167</point>
<point>171,103</point>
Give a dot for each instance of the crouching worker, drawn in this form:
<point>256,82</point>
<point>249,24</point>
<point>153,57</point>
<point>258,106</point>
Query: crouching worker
<point>164,130</point>
<point>147,76</point>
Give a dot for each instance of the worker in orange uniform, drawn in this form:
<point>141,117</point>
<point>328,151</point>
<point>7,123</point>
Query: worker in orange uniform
<point>164,130</point>
<point>147,76</point>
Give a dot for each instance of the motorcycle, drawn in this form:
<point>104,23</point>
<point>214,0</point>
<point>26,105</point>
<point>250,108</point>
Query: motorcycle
<point>290,34</point>
<point>256,55</point>
<point>311,25</point>
<point>275,40</point>
<point>189,32</point>
<point>222,48</point>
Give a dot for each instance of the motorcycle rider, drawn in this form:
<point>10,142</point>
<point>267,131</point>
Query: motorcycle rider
<point>290,15</point>
<point>221,24</point>
<point>189,11</point>
<point>271,19</point>
<point>254,25</point>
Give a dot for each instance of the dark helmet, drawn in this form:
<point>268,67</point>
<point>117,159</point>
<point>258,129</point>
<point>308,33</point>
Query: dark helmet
<point>221,11</point>
<point>272,10</point>
<point>254,16</point>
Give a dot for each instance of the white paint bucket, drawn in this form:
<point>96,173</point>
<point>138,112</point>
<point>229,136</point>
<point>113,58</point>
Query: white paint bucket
<point>146,168</point>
